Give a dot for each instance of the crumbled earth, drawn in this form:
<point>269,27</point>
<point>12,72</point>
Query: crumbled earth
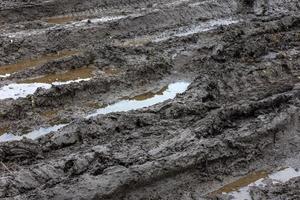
<point>239,114</point>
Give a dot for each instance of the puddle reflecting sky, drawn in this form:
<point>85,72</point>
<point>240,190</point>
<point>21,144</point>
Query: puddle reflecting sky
<point>32,135</point>
<point>18,90</point>
<point>239,190</point>
<point>142,101</point>
<point>78,21</point>
<point>137,102</point>
<point>29,86</point>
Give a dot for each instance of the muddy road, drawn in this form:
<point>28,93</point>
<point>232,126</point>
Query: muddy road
<point>157,99</point>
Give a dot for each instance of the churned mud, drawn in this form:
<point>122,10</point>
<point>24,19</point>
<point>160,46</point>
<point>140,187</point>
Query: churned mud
<point>157,99</point>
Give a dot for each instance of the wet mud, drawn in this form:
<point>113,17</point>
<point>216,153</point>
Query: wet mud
<point>7,70</point>
<point>159,99</point>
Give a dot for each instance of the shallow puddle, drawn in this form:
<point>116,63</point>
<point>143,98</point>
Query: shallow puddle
<point>29,86</point>
<point>137,102</point>
<point>144,100</point>
<point>81,19</point>
<point>32,135</point>
<point>6,70</point>
<point>74,74</point>
<point>242,182</point>
<point>239,190</point>
<point>18,90</point>
<point>103,19</point>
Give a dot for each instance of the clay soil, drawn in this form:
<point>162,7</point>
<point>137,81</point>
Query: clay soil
<point>239,115</point>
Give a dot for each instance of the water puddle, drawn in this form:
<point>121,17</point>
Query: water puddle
<point>127,104</point>
<point>73,74</point>
<point>240,189</point>
<point>7,70</point>
<point>82,22</point>
<point>242,182</point>
<point>29,86</point>
<point>181,32</point>
<point>32,135</point>
<point>101,20</point>
<point>78,20</point>
<point>18,90</point>
<point>144,100</point>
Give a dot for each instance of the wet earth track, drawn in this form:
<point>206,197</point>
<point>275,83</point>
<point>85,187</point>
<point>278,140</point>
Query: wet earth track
<point>238,116</point>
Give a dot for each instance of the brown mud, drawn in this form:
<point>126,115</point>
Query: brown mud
<point>30,63</point>
<point>238,118</point>
<point>73,74</point>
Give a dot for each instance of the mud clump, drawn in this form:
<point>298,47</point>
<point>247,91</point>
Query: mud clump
<point>235,121</point>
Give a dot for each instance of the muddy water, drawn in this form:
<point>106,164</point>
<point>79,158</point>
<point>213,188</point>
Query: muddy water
<point>144,100</point>
<point>6,70</point>
<point>77,22</point>
<point>81,19</point>
<point>129,103</point>
<point>242,182</point>
<point>74,74</point>
<point>18,90</point>
<point>240,189</point>
<point>29,86</point>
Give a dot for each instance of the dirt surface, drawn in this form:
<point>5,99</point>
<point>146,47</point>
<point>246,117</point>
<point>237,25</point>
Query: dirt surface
<point>289,190</point>
<point>239,115</point>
